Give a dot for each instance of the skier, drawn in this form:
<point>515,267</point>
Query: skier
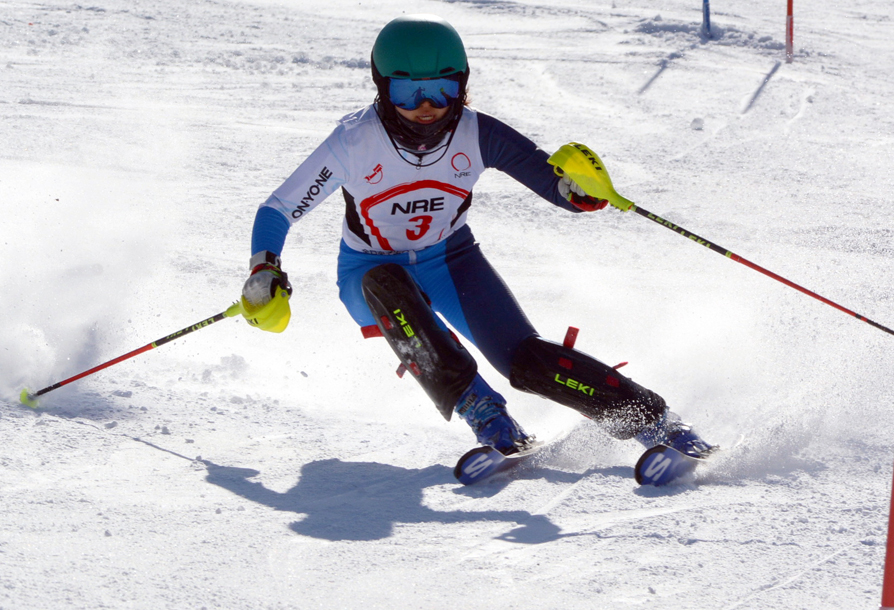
<point>406,165</point>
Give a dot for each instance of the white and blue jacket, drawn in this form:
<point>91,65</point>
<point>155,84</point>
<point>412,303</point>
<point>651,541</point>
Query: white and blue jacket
<point>395,201</point>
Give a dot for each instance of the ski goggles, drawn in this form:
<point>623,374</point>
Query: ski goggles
<point>409,93</point>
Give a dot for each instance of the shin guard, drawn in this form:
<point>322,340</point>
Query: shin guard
<point>441,365</point>
<point>579,381</point>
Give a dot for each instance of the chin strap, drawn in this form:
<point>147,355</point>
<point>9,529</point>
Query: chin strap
<point>400,131</point>
<point>421,154</point>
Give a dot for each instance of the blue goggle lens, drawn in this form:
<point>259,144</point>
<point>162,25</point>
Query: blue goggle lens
<point>409,94</point>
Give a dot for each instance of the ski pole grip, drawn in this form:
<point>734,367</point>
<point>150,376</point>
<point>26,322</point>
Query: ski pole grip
<point>586,168</point>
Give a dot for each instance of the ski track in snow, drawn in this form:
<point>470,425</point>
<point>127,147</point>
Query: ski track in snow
<point>236,469</point>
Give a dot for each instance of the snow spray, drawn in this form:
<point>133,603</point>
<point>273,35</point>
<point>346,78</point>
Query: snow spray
<point>29,398</point>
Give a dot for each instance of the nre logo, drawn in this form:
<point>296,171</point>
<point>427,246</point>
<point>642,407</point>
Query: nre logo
<point>435,204</point>
<point>460,162</point>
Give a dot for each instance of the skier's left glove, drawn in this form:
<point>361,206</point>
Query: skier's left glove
<point>571,190</point>
<point>265,294</point>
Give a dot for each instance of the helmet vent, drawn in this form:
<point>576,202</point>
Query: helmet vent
<point>402,73</point>
<point>449,70</point>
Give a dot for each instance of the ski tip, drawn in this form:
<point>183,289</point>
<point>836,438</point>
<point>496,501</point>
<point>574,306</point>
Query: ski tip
<point>481,462</point>
<point>662,465</point>
<point>28,399</point>
<point>638,469</point>
<point>476,464</point>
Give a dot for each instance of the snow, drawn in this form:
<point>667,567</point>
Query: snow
<point>138,138</point>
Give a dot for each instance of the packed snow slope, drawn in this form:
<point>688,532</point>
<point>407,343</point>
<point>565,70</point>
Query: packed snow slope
<point>239,469</point>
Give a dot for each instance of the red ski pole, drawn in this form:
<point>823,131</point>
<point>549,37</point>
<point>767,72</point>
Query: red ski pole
<point>30,399</point>
<point>588,171</point>
<point>704,242</point>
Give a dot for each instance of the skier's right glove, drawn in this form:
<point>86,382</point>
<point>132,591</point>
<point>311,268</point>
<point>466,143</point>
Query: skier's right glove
<point>265,294</point>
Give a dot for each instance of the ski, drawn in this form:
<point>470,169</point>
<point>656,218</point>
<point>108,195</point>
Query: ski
<point>663,465</point>
<point>483,462</point>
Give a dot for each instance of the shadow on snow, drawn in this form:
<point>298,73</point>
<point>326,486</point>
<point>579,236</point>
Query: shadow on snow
<point>364,500</point>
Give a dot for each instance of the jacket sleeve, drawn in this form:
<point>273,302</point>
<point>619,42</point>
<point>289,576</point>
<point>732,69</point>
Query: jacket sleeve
<point>269,232</point>
<point>314,180</point>
<point>507,150</point>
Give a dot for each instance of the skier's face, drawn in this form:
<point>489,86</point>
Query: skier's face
<point>426,113</point>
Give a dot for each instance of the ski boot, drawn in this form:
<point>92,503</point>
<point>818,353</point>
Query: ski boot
<point>485,411</point>
<point>672,432</point>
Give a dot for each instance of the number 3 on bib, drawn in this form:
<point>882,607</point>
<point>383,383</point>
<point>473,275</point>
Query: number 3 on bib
<point>423,223</point>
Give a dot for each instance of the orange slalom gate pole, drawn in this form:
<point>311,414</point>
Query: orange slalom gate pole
<point>888,581</point>
<point>789,35</point>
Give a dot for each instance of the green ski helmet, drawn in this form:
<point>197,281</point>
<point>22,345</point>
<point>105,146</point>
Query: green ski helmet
<point>418,46</point>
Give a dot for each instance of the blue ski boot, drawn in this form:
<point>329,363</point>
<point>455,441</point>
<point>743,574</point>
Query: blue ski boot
<point>485,411</point>
<point>671,431</point>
